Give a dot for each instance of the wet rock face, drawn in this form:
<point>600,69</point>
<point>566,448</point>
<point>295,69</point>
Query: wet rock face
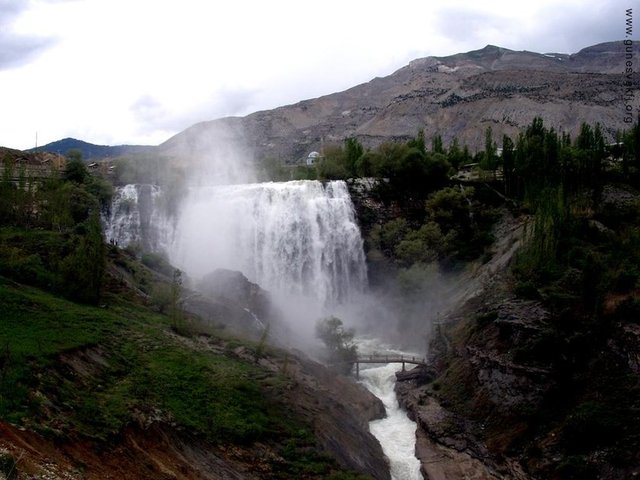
<point>234,286</point>
<point>338,410</point>
<point>445,444</point>
<point>227,298</point>
<point>509,369</point>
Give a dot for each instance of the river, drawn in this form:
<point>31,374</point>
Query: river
<point>396,433</point>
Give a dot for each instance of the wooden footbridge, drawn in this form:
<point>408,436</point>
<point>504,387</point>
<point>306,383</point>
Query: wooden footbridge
<point>377,358</point>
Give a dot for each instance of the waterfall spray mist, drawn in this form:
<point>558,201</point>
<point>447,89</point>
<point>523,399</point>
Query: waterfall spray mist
<point>298,240</point>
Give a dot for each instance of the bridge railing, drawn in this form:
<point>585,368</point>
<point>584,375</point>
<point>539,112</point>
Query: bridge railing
<point>376,357</point>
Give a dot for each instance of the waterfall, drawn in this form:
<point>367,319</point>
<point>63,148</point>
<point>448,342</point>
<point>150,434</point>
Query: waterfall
<point>299,239</point>
<point>135,217</point>
<point>296,238</point>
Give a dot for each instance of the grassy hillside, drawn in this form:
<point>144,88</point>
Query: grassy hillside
<point>79,372</point>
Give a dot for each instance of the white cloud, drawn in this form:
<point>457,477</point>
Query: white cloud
<point>122,71</point>
<point>17,48</point>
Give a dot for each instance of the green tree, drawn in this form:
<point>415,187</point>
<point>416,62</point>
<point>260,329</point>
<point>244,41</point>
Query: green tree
<point>333,165</point>
<point>537,160</point>
<point>23,200</point>
<point>411,173</point>
<point>552,216</point>
<point>418,142</point>
<point>392,233</point>
<point>176,314</point>
<point>341,351</point>
<point>75,170</point>
<point>452,209</point>
<point>508,164</point>
<point>436,144</point>
<point>489,160</point>
<point>421,246</point>
<point>81,203</point>
<point>353,150</point>
<point>390,155</point>
<point>457,156</point>
<point>7,192</point>
<point>366,165</point>
<point>101,190</point>
<point>84,267</point>
<point>55,213</point>
<point>450,206</point>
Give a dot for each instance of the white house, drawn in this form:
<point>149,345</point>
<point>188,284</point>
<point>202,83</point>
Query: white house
<point>312,158</point>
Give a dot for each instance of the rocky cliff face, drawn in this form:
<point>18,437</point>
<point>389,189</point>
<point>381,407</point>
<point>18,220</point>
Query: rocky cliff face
<point>337,410</point>
<point>517,391</point>
<point>457,96</point>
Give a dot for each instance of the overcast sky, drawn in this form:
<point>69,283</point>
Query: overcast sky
<point>138,71</point>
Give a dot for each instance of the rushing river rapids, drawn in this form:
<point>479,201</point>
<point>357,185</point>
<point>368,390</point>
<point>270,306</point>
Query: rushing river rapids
<point>396,432</point>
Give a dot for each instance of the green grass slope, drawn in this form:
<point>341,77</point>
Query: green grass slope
<point>79,372</point>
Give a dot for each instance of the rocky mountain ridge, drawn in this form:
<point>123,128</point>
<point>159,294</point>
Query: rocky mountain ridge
<point>455,96</point>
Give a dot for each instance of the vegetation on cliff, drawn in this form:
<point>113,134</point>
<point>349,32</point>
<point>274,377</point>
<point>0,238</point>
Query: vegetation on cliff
<point>543,367</point>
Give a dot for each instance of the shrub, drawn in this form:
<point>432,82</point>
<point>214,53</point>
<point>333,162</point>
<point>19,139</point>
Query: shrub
<point>157,262</point>
<point>342,352</point>
<point>8,466</point>
<point>161,297</point>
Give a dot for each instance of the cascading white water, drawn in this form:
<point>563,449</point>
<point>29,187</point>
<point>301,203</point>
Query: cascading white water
<point>297,238</point>
<point>135,217</point>
<point>396,432</point>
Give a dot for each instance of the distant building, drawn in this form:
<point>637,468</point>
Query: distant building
<point>31,165</point>
<point>468,172</point>
<point>312,158</point>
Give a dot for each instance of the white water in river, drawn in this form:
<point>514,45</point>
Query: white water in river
<point>396,433</point>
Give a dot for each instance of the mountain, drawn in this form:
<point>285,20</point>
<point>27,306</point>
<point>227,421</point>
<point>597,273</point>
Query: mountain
<point>459,95</point>
<point>454,96</point>
<point>89,150</point>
